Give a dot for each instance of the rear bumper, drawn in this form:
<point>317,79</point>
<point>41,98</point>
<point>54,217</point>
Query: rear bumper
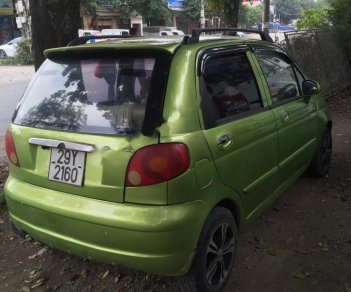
<point>154,239</point>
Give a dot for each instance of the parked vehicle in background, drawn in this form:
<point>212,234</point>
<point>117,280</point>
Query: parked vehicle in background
<point>85,32</point>
<point>154,154</point>
<point>115,31</point>
<point>177,32</point>
<point>171,32</point>
<point>9,49</point>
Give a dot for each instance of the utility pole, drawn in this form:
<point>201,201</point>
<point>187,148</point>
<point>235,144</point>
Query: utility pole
<point>202,13</point>
<point>265,25</point>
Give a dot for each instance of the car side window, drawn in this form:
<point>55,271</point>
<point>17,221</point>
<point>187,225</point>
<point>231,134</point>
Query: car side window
<point>280,75</point>
<point>228,88</point>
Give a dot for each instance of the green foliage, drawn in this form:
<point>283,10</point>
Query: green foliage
<point>228,8</point>
<point>314,18</point>
<point>287,10</point>
<point>250,16</point>
<point>156,9</point>
<point>24,53</point>
<point>194,12</point>
<point>340,12</point>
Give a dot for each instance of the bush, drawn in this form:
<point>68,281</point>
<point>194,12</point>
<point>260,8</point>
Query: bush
<point>24,52</point>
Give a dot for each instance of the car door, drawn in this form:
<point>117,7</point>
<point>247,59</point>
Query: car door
<point>296,114</point>
<point>239,127</point>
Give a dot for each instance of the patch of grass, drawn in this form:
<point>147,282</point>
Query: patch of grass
<point>9,61</point>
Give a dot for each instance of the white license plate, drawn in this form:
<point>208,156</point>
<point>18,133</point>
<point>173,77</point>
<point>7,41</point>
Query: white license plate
<point>67,166</point>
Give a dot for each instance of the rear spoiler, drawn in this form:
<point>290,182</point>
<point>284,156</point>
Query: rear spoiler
<point>195,35</point>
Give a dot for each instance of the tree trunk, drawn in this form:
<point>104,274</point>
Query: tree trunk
<point>54,24</point>
<point>231,13</point>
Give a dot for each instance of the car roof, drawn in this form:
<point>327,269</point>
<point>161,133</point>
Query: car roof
<point>165,43</point>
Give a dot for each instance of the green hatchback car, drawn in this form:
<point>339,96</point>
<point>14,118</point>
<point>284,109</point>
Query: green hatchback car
<point>154,153</point>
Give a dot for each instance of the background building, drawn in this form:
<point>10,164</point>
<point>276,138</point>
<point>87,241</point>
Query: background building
<point>8,28</point>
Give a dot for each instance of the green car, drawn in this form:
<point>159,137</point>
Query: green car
<point>154,153</point>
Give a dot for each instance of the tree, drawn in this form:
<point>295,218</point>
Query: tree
<point>194,10</point>
<point>54,23</point>
<point>287,10</point>
<point>250,16</point>
<point>230,9</point>
<point>314,18</point>
<point>340,12</point>
<point>149,9</point>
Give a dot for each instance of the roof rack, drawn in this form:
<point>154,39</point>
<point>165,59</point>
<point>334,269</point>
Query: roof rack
<point>195,35</point>
<point>83,40</point>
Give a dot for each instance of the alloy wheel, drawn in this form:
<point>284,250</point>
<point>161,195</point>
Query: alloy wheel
<point>220,254</point>
<point>2,54</point>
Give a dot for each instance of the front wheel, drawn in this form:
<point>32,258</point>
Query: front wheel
<point>214,259</point>
<point>2,54</point>
<point>321,161</point>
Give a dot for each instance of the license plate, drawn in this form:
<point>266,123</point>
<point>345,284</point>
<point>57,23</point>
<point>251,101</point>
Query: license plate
<point>67,166</point>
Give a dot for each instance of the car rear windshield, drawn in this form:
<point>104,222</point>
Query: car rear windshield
<point>105,95</point>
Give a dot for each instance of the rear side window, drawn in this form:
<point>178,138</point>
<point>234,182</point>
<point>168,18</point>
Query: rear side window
<point>107,95</point>
<point>228,89</point>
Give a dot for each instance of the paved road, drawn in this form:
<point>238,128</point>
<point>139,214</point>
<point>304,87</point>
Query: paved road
<point>13,82</point>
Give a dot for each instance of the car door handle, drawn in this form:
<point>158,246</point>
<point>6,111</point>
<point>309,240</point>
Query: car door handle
<point>224,141</point>
<point>284,117</point>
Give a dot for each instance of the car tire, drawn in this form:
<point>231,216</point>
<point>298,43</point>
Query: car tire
<point>215,254</point>
<point>2,54</point>
<point>321,161</point>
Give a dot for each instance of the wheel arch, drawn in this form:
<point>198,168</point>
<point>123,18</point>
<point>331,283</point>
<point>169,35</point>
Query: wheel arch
<point>230,205</point>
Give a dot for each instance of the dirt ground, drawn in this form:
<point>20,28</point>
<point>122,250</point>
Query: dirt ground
<point>301,243</point>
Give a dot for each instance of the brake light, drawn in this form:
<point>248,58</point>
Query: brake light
<point>157,163</point>
<point>11,149</point>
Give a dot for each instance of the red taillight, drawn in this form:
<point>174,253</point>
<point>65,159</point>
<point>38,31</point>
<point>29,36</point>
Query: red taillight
<point>157,163</point>
<point>11,149</point>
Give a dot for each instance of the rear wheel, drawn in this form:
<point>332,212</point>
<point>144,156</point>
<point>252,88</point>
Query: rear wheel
<point>214,259</point>
<point>320,164</point>
<point>2,54</point>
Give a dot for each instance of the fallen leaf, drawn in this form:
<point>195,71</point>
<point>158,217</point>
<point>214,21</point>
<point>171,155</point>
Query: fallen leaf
<point>303,252</point>
<point>105,275</point>
<point>272,252</point>
<point>323,246</point>
<point>38,283</point>
<point>117,278</point>
<point>302,275</point>
<point>42,251</point>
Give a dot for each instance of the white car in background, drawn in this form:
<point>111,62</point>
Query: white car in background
<point>171,32</point>
<point>115,31</point>
<point>9,49</point>
<point>86,32</point>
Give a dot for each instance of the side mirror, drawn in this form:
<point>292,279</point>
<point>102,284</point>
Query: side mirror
<point>310,87</point>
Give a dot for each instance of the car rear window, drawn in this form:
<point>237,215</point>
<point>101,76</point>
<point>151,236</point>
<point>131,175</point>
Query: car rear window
<point>105,95</point>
